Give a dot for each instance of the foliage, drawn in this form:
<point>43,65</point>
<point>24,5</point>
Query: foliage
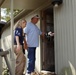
<point>5,71</point>
<point>7,13</point>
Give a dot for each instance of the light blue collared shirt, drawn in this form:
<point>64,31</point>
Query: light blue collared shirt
<point>32,32</point>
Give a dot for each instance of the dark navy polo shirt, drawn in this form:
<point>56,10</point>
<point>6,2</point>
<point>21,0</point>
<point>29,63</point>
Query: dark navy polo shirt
<point>18,32</point>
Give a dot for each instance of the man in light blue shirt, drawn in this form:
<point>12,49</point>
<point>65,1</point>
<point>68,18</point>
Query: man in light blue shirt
<point>32,32</point>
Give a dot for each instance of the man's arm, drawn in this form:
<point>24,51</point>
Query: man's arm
<point>43,36</point>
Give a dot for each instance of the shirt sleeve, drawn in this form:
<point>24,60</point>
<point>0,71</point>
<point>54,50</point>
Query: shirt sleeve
<point>39,31</point>
<point>18,32</point>
<point>26,29</point>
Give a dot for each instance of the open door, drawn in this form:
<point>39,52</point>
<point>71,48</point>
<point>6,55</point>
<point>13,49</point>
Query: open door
<point>47,50</point>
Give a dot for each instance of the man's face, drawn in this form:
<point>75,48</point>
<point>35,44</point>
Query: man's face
<point>35,20</point>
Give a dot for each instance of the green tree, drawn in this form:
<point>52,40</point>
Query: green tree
<point>7,13</point>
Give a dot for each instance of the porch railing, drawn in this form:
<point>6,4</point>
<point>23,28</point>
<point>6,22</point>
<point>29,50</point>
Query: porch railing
<point>4,54</point>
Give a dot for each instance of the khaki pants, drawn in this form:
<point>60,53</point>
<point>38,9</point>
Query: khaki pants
<point>20,61</point>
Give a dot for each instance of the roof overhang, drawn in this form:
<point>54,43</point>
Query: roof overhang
<point>22,4</point>
<point>1,2</point>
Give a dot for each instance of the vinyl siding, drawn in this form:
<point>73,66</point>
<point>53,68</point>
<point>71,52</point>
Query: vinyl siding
<point>65,38</point>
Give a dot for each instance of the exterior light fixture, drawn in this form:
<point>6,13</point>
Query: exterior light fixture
<point>56,3</point>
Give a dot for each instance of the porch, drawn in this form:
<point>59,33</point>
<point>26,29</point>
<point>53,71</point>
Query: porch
<point>64,28</point>
<point>29,7</point>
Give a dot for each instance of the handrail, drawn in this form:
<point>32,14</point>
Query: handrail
<point>4,54</point>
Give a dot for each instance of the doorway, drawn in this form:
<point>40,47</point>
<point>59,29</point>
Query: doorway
<point>47,45</point>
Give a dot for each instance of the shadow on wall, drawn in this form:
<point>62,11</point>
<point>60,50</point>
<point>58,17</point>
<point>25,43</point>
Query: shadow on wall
<point>68,70</point>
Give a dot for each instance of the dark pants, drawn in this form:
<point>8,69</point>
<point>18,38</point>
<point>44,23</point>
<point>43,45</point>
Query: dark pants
<point>31,59</point>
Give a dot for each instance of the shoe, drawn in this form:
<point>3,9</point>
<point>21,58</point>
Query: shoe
<point>27,74</point>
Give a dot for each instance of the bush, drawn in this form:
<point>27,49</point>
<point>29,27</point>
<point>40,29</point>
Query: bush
<point>5,71</point>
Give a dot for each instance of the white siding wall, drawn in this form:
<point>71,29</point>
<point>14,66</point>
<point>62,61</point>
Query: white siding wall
<point>65,38</point>
<point>6,39</point>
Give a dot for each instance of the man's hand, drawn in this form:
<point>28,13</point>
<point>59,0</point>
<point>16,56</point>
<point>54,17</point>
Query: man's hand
<point>25,46</point>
